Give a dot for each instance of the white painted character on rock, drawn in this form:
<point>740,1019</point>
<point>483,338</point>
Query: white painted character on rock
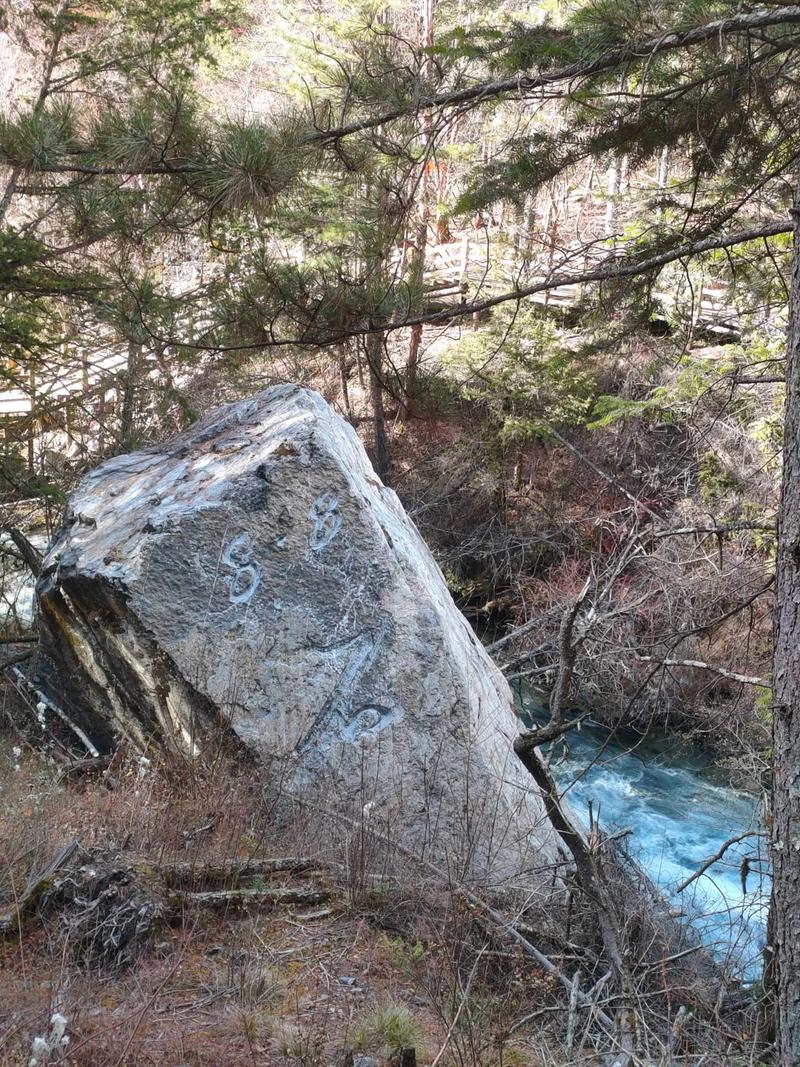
<point>246,577</point>
<point>324,513</point>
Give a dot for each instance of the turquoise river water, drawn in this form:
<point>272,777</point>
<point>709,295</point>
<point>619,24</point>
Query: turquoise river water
<point>680,811</point>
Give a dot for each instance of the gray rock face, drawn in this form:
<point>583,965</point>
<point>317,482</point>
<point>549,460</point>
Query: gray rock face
<point>254,572</point>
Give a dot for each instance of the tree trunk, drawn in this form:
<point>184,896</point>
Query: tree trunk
<point>784,965</point>
<point>662,172</point>
<point>427,17</point>
<point>32,422</point>
<point>344,386</point>
<point>410,385</point>
<point>614,179</point>
<point>101,420</point>
<point>129,394</point>
<point>380,450</point>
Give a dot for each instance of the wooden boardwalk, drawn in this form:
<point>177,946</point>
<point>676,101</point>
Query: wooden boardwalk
<point>459,271</point>
<point>466,268</point>
<point>43,389</point>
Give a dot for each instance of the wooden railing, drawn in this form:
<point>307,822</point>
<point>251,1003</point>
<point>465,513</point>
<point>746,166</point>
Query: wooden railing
<point>456,273</point>
<point>42,389</point>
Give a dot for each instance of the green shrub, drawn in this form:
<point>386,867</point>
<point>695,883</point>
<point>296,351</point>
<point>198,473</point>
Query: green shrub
<point>390,1025</point>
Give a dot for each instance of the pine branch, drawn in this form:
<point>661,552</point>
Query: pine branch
<point>59,28</point>
<point>582,68</point>
<point>521,85</point>
<point>166,167</point>
<point>612,268</point>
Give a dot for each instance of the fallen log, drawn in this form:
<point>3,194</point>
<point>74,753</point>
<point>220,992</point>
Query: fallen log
<point>230,872</point>
<point>244,898</point>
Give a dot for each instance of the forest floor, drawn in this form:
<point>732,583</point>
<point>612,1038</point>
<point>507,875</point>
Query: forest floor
<point>377,967</point>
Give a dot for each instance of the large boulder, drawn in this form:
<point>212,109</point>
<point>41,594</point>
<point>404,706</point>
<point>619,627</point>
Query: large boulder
<point>254,575</point>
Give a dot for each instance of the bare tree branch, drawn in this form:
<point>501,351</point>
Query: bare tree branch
<point>745,679</point>
<point>29,554</point>
<point>711,860</point>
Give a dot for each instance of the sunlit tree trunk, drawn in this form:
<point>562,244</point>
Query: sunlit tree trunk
<point>662,172</point>
<point>128,416</point>
<point>614,176</point>
<point>32,421</point>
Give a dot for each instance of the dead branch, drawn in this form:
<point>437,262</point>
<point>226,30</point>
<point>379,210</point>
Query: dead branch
<point>518,631</point>
<point>711,860</point>
<point>745,679</point>
<point>612,481</point>
<point>584,858</point>
<point>717,531</point>
<point>29,553</point>
<point>585,855</point>
<point>28,898</point>
<point>529,949</point>
<point>567,654</point>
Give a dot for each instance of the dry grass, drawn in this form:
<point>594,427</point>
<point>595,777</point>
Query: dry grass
<point>290,986</point>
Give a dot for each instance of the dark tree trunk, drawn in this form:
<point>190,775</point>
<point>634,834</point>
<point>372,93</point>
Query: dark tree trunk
<point>784,966</point>
<point>380,449</point>
<point>344,384</point>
